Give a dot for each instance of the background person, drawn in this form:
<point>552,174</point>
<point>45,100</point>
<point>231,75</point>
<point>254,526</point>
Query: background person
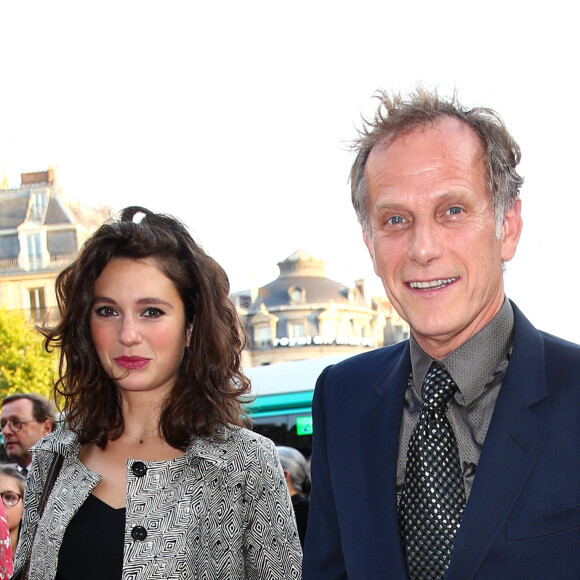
<point>460,460</point>
<point>159,478</point>
<point>12,490</point>
<point>5,549</point>
<point>25,419</point>
<point>298,481</point>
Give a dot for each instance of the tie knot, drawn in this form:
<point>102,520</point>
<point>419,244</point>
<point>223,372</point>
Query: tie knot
<point>438,387</point>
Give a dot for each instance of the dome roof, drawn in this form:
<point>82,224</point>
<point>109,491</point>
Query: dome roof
<point>315,290</point>
<point>302,281</point>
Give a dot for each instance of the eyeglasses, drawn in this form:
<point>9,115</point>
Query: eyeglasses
<point>10,498</point>
<point>14,424</point>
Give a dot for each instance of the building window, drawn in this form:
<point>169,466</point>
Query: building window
<point>34,251</point>
<point>328,329</point>
<point>37,205</point>
<point>37,303</point>
<point>263,336</point>
<point>244,301</point>
<point>33,243</point>
<point>296,329</point>
<point>297,295</point>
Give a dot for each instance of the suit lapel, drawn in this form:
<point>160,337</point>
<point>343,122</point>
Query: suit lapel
<point>514,440</point>
<point>380,428</point>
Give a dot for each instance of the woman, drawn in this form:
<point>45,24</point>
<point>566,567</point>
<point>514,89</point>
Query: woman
<point>298,481</point>
<point>11,490</point>
<point>159,478</point>
<point>5,550</point>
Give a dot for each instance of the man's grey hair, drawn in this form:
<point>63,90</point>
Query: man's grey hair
<point>295,463</point>
<point>396,115</point>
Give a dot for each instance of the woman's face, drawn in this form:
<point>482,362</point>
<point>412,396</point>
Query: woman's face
<point>13,512</point>
<point>138,325</point>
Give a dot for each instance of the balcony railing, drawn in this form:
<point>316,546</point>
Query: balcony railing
<point>36,263</point>
<point>42,316</point>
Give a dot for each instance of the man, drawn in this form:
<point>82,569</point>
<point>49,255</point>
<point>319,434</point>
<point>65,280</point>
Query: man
<point>25,419</point>
<point>455,454</point>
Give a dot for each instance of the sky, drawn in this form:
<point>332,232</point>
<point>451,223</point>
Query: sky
<point>236,117</point>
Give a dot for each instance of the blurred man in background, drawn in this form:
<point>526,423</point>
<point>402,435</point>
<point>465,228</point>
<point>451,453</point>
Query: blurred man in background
<point>25,418</point>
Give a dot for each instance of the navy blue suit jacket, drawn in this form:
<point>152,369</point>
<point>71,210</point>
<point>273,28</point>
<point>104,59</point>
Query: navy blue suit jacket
<point>522,519</point>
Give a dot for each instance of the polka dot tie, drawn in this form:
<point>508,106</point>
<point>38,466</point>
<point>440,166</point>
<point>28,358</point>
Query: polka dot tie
<point>433,496</point>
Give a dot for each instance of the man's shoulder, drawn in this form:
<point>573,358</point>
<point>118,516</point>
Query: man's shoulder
<point>559,344</point>
<point>369,366</point>
<point>553,359</point>
<point>560,353</point>
<point>528,337</point>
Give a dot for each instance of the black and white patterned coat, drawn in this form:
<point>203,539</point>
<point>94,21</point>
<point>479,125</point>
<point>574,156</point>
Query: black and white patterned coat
<point>220,512</point>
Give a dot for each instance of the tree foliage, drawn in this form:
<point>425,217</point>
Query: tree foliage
<point>25,366</point>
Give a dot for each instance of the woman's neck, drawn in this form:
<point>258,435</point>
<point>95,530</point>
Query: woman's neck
<point>14,539</point>
<point>141,417</point>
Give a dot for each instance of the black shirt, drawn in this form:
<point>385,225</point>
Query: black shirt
<point>92,547</point>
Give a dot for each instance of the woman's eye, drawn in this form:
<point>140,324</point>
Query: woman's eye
<point>153,313</point>
<point>106,311</point>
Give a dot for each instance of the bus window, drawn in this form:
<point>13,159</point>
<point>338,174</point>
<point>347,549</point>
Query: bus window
<point>285,429</point>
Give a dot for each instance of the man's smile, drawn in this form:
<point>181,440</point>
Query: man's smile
<point>433,284</point>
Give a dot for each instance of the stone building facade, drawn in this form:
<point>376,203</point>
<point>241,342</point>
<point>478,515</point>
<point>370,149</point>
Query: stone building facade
<point>41,231</point>
<point>303,315</point>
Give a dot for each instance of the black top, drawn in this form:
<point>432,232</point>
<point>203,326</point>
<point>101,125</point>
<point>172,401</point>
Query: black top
<point>301,506</point>
<point>92,547</point>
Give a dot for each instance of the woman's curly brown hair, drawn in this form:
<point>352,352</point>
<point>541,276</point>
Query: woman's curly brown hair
<point>210,382</point>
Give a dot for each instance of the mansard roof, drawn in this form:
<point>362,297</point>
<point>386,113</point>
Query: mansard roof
<point>302,281</point>
<point>39,206</point>
<point>13,208</point>
<point>59,209</point>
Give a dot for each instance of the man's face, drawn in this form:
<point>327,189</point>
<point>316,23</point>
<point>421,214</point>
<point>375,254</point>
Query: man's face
<point>18,443</point>
<point>432,233</point>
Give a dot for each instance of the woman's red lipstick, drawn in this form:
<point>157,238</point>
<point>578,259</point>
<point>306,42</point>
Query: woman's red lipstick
<point>132,362</point>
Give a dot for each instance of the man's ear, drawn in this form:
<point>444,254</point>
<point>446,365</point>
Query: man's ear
<point>46,426</point>
<point>511,230</point>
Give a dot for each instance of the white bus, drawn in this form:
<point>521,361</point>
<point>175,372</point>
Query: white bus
<point>281,408</point>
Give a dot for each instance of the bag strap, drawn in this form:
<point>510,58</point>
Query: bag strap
<point>53,472</point>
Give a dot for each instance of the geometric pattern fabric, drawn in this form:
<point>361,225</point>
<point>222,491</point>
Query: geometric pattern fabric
<point>221,512</point>
<point>433,496</point>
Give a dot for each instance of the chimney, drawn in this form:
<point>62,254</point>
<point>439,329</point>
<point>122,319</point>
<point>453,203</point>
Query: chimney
<point>47,177</point>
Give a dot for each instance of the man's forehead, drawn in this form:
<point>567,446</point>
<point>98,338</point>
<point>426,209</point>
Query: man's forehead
<point>447,129</point>
<point>423,148</point>
<point>16,408</point>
